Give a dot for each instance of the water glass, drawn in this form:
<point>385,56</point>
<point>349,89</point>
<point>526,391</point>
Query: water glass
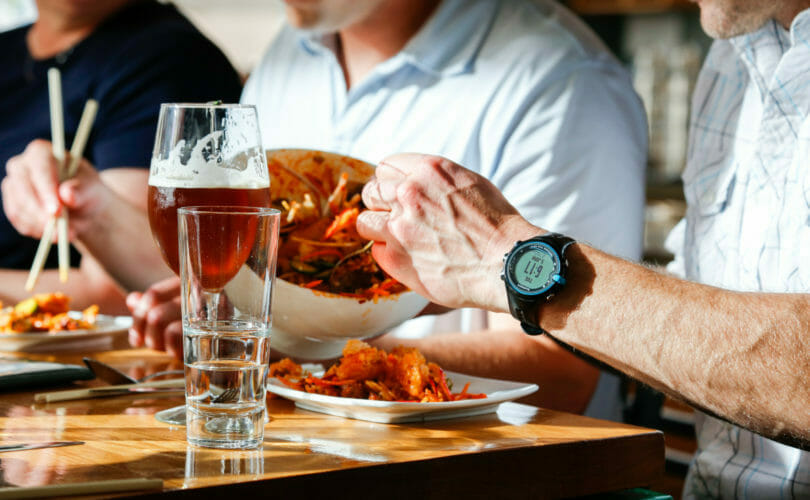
<point>227,270</point>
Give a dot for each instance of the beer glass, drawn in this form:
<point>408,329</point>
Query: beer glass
<point>227,269</point>
<point>204,154</point>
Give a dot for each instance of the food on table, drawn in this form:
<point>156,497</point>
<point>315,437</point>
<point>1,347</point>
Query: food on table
<point>319,196</point>
<point>46,312</point>
<point>366,372</point>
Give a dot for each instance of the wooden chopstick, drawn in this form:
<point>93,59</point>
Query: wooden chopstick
<point>58,145</point>
<point>85,488</point>
<point>107,390</point>
<point>76,152</point>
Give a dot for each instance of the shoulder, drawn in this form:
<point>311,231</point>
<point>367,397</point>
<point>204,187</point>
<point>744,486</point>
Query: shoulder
<point>14,35</point>
<point>537,43</point>
<point>155,51</point>
<point>152,32</point>
<point>14,47</point>
<point>543,28</point>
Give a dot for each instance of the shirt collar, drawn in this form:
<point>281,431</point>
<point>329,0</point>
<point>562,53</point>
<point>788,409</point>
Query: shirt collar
<point>447,44</point>
<point>762,50</point>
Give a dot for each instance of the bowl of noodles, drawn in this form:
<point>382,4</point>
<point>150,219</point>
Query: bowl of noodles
<point>328,289</point>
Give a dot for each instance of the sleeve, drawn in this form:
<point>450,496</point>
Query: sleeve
<point>575,160</point>
<point>177,66</point>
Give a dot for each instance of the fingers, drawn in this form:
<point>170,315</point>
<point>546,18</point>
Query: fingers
<point>373,225</point>
<point>380,193</point>
<point>153,313</point>
<point>157,323</point>
<point>173,336</point>
<point>75,193</point>
<point>38,165</point>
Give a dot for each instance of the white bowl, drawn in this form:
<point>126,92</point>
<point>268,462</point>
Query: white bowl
<point>315,325</point>
<point>310,324</point>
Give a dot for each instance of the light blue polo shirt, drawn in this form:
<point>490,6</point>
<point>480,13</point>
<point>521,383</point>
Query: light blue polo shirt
<point>519,91</point>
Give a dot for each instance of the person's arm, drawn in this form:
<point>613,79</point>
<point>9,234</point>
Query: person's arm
<point>119,235</point>
<point>443,230</point>
<point>107,212</point>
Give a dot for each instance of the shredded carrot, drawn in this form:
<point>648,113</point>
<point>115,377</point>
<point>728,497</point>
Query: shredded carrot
<point>312,284</point>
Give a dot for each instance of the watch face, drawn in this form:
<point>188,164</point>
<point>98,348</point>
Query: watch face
<point>531,269</point>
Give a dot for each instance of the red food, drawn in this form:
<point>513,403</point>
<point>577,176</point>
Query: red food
<point>366,372</point>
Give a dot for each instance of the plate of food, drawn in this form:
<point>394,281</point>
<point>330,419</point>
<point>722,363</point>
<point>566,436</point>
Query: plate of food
<point>45,322</point>
<point>396,387</point>
<point>329,289</point>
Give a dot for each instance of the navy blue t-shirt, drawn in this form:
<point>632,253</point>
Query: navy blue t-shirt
<point>142,56</point>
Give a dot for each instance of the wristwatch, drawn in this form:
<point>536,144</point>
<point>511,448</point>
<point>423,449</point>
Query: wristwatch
<point>534,271</point>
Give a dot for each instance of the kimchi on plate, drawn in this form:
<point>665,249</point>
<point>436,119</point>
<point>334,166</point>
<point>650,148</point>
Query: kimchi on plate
<point>365,372</point>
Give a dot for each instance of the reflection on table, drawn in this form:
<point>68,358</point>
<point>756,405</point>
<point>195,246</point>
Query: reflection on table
<point>518,451</point>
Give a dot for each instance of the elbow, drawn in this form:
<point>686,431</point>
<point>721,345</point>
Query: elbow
<point>569,390</point>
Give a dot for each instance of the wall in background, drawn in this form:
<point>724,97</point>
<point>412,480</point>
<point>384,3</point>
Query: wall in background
<point>241,28</point>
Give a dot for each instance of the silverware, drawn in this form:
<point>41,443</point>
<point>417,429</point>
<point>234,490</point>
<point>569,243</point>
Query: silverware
<point>34,446</point>
<point>114,376</point>
<point>115,391</point>
<point>174,385</point>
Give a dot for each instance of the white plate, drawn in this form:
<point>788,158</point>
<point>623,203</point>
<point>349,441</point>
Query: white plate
<point>101,337</point>
<point>389,412</point>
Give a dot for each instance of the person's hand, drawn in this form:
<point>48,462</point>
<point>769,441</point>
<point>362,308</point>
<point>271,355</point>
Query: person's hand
<point>441,229</point>
<point>156,320</point>
<point>32,193</point>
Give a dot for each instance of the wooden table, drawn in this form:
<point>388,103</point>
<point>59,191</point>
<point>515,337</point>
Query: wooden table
<point>520,452</point>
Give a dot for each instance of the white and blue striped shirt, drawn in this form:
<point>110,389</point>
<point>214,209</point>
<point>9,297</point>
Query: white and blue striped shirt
<point>747,227</point>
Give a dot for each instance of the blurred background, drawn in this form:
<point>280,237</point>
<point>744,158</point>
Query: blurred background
<point>660,42</point>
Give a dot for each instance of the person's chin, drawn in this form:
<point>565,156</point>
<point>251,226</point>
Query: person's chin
<point>301,17</point>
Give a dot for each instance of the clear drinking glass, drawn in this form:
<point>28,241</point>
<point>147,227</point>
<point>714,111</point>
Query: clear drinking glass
<point>204,154</point>
<point>227,270</point>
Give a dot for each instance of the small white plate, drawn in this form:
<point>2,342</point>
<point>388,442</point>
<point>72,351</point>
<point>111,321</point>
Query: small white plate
<point>389,412</point>
<point>101,337</point>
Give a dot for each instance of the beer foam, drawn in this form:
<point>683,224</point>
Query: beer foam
<point>246,169</point>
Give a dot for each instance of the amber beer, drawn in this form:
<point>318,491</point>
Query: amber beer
<point>163,205</point>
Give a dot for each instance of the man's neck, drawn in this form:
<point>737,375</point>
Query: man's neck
<point>789,10</point>
<point>380,36</point>
<point>57,29</point>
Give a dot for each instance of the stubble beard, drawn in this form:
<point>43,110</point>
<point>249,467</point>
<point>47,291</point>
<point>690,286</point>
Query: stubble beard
<point>730,18</point>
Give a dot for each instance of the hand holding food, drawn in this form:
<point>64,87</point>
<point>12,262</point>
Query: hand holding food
<point>32,192</point>
<point>439,229</point>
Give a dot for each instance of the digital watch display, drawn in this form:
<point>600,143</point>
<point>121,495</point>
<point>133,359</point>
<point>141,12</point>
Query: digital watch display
<point>534,271</point>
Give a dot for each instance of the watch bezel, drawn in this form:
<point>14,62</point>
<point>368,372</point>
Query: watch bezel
<point>519,251</point>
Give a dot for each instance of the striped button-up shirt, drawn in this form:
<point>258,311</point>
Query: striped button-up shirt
<point>747,227</point>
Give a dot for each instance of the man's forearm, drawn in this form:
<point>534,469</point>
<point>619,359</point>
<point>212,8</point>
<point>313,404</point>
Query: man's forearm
<point>121,241</point>
<point>737,355</point>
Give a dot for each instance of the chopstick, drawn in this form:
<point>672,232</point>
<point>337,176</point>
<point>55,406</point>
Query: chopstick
<point>85,488</point>
<point>108,390</point>
<point>76,152</point>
